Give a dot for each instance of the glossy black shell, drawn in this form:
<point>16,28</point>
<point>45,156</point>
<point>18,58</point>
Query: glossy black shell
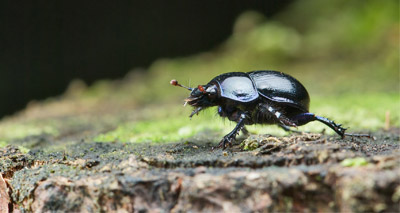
<point>236,86</point>
<point>273,85</point>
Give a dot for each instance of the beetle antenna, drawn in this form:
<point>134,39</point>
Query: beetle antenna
<point>175,83</point>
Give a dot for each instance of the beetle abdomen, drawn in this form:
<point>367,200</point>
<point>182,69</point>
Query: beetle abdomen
<point>280,87</point>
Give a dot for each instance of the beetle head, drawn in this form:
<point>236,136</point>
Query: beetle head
<point>201,97</point>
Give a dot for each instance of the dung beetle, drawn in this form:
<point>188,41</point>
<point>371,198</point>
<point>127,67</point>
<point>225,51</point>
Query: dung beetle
<point>257,97</point>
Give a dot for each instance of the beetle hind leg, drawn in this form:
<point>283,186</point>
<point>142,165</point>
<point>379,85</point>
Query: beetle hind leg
<point>304,118</point>
<point>336,127</point>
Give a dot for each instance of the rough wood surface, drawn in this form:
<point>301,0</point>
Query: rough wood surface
<point>296,173</point>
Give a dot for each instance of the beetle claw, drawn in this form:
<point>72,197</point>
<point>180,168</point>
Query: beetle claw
<point>225,140</point>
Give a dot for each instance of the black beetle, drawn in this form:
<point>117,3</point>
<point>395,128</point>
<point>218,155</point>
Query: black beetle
<point>257,97</point>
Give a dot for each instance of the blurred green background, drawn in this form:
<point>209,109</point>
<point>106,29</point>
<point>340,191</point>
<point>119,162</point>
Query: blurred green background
<point>346,53</point>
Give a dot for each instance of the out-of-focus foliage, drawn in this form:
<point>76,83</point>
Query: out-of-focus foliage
<point>333,47</point>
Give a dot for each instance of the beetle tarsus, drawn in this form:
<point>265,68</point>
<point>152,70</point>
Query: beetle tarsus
<point>336,127</point>
<point>358,135</point>
<point>226,140</point>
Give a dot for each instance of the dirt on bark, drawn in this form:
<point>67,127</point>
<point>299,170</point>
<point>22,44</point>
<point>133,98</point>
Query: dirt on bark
<point>307,172</point>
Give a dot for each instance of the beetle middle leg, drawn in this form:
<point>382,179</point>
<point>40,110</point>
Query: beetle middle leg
<point>245,131</point>
<point>270,114</point>
<point>288,129</point>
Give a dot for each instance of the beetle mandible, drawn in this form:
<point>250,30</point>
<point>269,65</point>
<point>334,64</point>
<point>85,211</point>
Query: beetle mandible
<point>256,97</point>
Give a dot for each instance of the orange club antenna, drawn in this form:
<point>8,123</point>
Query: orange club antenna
<point>175,83</point>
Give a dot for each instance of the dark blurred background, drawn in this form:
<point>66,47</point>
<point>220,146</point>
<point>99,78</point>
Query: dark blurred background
<point>46,44</point>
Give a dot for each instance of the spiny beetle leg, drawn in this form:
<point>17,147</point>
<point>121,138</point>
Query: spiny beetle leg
<point>231,136</point>
<point>245,131</point>
<point>336,127</point>
<point>288,129</point>
<point>279,116</point>
<point>304,118</point>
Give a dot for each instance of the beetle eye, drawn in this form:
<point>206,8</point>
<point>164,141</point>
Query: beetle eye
<point>201,88</point>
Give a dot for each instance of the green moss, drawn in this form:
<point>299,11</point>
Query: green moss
<point>163,129</point>
<point>21,130</point>
<point>3,144</point>
<point>23,149</point>
<point>350,162</point>
<point>249,144</point>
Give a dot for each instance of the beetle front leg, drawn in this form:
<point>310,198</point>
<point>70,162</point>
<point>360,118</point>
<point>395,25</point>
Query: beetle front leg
<point>231,136</point>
